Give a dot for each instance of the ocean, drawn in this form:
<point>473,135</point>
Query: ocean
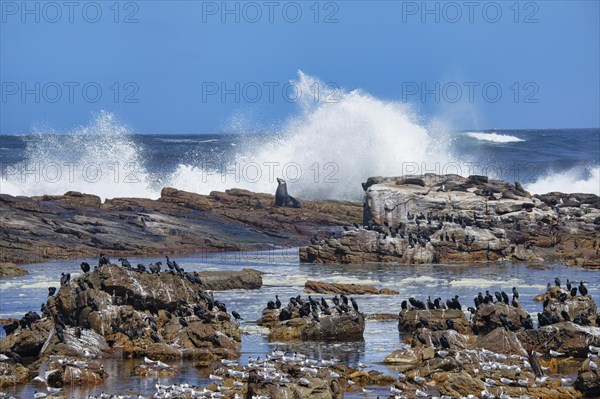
<point>323,154</point>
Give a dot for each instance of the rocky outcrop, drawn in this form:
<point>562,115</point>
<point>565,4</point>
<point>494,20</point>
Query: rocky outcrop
<point>76,225</point>
<point>245,279</point>
<point>572,306</point>
<point>500,352</point>
<point>112,309</point>
<point>140,311</point>
<point>565,337</point>
<point>27,342</point>
<point>492,315</point>
<point>444,219</point>
<point>8,269</point>
<point>321,287</point>
<point>347,326</point>
<point>314,319</point>
<point>411,319</point>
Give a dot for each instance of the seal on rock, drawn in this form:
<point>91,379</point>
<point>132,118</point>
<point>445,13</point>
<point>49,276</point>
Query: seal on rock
<point>282,198</point>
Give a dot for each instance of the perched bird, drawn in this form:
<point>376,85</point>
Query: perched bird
<point>354,304</point>
<point>515,292</point>
<point>421,339</point>
<point>103,260</point>
<point>554,353</point>
<point>65,278</point>
<point>85,267</point>
<point>236,315</point>
<point>582,289</point>
<point>444,342</point>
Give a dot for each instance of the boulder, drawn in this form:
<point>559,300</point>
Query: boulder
<point>12,373</point>
<point>588,383</point>
<point>487,317</point>
<point>28,342</point>
<point>320,287</point>
<point>409,319</point>
<point>579,305</point>
<point>9,269</point>
<point>348,326</point>
<point>75,372</point>
<point>565,337</point>
<point>78,343</point>
<point>500,340</point>
<point>245,279</point>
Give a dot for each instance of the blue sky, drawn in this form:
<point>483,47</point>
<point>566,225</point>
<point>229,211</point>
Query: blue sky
<point>161,66</point>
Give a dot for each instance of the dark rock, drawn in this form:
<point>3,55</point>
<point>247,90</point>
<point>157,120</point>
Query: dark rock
<point>588,383</point>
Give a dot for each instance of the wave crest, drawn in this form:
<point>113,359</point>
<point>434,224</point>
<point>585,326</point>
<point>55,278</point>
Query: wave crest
<point>493,137</point>
<point>576,180</point>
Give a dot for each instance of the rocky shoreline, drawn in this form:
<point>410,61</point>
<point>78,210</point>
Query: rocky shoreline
<point>449,219</point>
<point>491,349</point>
<point>78,225</point>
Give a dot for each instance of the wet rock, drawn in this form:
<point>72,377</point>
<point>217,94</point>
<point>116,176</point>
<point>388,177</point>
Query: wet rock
<point>8,269</point>
<point>12,373</point>
<point>75,372</point>
<point>320,287</point>
<point>588,383</point>
<point>410,319</point>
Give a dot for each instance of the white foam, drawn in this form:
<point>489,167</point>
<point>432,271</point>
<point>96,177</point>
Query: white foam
<point>484,282</point>
<point>325,151</point>
<point>100,158</point>
<point>576,180</point>
<point>40,284</point>
<point>493,137</point>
